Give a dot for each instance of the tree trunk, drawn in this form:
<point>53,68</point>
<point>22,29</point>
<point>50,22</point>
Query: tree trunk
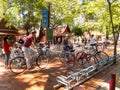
<point>115,40</point>
<point>89,32</point>
<point>41,33</point>
<point>27,31</point>
<point>107,32</point>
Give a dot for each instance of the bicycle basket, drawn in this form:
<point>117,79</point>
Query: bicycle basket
<point>16,52</point>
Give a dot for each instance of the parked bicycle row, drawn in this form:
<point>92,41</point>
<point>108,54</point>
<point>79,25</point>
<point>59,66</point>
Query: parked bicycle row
<point>23,56</point>
<point>79,57</point>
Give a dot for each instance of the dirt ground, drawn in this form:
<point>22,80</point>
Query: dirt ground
<point>37,79</point>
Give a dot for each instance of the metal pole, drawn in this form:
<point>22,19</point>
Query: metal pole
<point>48,19</point>
<point>112,82</point>
<point>49,14</point>
<point>48,3</point>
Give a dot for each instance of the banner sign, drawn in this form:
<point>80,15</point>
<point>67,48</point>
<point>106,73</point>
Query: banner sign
<point>49,35</point>
<point>44,18</point>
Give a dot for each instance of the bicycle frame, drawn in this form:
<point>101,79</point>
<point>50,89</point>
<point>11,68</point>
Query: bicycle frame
<point>83,55</point>
<point>35,54</point>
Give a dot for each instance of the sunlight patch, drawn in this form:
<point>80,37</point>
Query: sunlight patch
<point>106,86</point>
<point>32,79</point>
<point>35,87</point>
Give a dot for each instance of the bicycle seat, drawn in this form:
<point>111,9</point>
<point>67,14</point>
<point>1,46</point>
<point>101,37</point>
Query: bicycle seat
<point>78,46</point>
<point>85,47</point>
<point>72,50</point>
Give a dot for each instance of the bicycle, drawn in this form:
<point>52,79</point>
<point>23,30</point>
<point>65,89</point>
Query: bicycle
<point>18,64</point>
<point>49,51</point>
<point>70,59</point>
<point>81,57</point>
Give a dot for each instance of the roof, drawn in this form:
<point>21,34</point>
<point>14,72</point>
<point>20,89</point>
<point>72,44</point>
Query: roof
<point>4,30</point>
<point>62,31</point>
<point>8,32</point>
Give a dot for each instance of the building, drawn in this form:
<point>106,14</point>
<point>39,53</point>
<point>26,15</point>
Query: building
<point>10,31</point>
<point>4,30</point>
<point>60,33</point>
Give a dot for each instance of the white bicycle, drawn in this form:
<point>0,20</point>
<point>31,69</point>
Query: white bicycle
<point>18,63</point>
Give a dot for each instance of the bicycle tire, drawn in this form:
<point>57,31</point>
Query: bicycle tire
<point>18,65</point>
<point>42,61</point>
<point>92,59</point>
<point>101,56</point>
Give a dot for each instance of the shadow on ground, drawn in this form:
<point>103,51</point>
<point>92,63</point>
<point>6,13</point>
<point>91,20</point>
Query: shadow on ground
<point>37,79</point>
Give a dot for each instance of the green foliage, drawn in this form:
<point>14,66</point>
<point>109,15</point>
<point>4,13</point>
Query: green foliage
<point>26,14</point>
<point>63,12</point>
<point>77,31</point>
<point>3,6</point>
<point>97,17</point>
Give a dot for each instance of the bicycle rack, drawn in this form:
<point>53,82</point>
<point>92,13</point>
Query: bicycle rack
<point>77,77</point>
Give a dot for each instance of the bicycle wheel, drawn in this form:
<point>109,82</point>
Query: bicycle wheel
<point>67,59</point>
<point>102,56</point>
<point>92,59</point>
<point>42,61</point>
<point>18,65</point>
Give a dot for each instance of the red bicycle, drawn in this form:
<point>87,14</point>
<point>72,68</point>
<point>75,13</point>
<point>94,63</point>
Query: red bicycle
<point>81,58</point>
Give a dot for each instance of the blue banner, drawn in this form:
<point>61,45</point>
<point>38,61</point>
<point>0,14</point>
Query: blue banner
<point>45,18</point>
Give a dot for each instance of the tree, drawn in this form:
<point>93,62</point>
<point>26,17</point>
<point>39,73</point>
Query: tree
<point>24,14</point>
<point>62,12</point>
<point>77,31</point>
<point>112,24</point>
<point>3,6</point>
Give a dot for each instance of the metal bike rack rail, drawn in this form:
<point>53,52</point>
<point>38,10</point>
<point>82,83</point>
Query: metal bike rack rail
<point>79,76</point>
